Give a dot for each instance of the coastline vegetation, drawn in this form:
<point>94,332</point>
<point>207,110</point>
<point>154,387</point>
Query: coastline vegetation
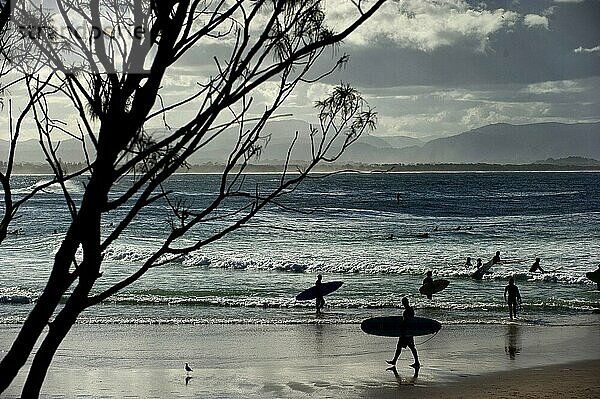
<point>571,164</point>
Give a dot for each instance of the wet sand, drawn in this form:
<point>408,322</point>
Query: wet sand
<point>571,380</point>
<point>320,361</point>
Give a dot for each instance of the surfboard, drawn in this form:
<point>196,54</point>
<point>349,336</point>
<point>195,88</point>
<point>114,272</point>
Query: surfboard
<point>437,286</point>
<point>594,276</point>
<point>326,288</point>
<point>396,326</point>
<point>478,274</point>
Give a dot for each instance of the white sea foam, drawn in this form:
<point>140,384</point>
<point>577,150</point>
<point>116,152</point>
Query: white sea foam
<point>72,186</point>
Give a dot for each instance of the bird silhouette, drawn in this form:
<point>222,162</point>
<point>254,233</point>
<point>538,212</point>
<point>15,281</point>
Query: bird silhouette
<point>188,368</point>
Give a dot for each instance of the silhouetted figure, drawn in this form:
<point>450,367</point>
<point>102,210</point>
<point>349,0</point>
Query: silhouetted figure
<point>479,264</point>
<point>319,301</point>
<point>398,198</point>
<point>512,295</point>
<point>404,342</point>
<point>496,258</point>
<point>536,266</point>
<point>468,263</point>
<point>187,379</point>
<point>428,281</point>
<point>188,368</point>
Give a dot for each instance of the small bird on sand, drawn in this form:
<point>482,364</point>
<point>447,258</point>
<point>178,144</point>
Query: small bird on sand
<point>188,368</point>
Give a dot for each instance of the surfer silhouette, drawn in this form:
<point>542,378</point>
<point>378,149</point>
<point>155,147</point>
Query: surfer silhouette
<point>404,341</point>
<point>479,264</point>
<point>536,266</point>
<point>512,295</point>
<point>319,301</point>
<point>428,281</point>
<point>496,258</point>
<point>468,263</point>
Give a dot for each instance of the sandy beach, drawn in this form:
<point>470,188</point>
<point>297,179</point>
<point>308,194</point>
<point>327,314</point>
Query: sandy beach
<point>320,361</point>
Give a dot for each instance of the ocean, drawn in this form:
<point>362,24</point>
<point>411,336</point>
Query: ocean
<point>378,233</point>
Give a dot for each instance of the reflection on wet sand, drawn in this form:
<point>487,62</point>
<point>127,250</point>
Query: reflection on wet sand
<point>407,381</point>
<point>513,341</point>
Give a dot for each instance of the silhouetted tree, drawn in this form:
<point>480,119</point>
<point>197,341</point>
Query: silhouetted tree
<point>114,83</point>
<point>13,49</point>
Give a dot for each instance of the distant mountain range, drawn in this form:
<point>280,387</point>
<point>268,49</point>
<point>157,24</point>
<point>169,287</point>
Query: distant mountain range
<point>500,143</point>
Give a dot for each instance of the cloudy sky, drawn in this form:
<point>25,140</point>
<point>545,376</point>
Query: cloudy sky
<point>441,67</point>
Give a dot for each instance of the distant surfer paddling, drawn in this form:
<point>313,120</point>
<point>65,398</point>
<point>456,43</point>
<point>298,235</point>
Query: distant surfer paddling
<point>536,266</point>
<point>512,295</point>
<point>319,301</point>
<point>404,341</point>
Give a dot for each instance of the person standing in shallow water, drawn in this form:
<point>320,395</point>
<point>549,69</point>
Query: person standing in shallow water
<point>319,301</point>
<point>428,281</point>
<point>403,341</point>
<point>512,295</point>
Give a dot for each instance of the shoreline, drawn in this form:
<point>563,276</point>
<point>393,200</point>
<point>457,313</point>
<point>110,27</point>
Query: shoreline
<point>365,171</point>
<point>300,361</point>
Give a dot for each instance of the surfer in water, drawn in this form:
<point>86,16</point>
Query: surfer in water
<point>479,264</point>
<point>468,263</point>
<point>512,295</point>
<point>428,281</point>
<point>404,342</point>
<point>496,258</point>
<point>319,301</point>
<point>536,266</point>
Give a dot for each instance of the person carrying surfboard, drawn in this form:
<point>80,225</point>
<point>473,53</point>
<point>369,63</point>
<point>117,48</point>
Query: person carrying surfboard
<point>319,301</point>
<point>428,281</point>
<point>512,295</point>
<point>404,341</point>
<point>536,266</point>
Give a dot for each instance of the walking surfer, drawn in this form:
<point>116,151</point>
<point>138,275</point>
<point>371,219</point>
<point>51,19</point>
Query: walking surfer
<point>404,341</point>
<point>512,295</point>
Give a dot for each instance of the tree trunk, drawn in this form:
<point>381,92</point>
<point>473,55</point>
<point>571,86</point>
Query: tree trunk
<point>32,329</point>
<point>42,359</point>
<point>87,224</point>
<point>88,273</point>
